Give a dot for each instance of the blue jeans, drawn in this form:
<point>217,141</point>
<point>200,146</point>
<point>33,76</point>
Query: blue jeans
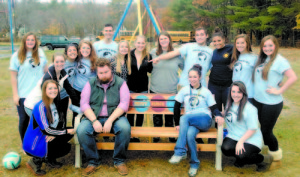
<point>190,125</point>
<point>23,118</point>
<point>86,137</point>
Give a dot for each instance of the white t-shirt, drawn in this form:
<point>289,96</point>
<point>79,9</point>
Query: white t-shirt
<point>104,50</point>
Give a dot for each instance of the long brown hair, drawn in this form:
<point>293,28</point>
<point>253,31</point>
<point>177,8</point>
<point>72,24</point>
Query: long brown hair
<point>262,56</point>
<point>144,52</point>
<point>243,101</point>
<point>170,46</point>
<point>119,58</point>
<point>47,100</point>
<point>235,52</point>
<point>23,50</point>
<point>92,57</point>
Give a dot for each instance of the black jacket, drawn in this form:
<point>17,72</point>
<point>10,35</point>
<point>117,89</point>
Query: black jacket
<point>51,75</point>
<point>138,80</point>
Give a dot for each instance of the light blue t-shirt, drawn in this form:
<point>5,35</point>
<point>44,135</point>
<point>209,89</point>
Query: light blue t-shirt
<point>55,116</point>
<point>196,100</point>
<point>84,74</point>
<point>28,73</point>
<point>195,54</point>
<point>243,71</point>
<point>275,76</point>
<point>104,50</point>
<point>70,68</point>
<point>237,129</point>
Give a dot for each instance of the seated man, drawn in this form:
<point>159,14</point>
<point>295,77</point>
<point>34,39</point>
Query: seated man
<point>104,101</point>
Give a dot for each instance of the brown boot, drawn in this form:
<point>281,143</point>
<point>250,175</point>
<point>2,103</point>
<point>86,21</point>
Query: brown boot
<point>90,169</point>
<point>122,169</point>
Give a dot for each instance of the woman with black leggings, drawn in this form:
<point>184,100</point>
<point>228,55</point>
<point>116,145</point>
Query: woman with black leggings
<point>268,74</point>
<point>244,139</point>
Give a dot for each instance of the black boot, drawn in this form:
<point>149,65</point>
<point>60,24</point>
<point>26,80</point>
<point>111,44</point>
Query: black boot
<point>35,164</point>
<point>53,163</point>
<point>265,164</point>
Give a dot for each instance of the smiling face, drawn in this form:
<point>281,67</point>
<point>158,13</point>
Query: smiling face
<point>72,53</point>
<point>59,63</point>
<point>164,41</point>
<point>30,42</point>
<point>218,42</point>
<point>123,48</point>
<point>85,50</point>
<point>140,44</point>
<point>269,47</point>
<point>108,32</point>
<point>201,37</point>
<point>194,78</point>
<point>241,45</point>
<point>51,90</point>
<point>236,94</point>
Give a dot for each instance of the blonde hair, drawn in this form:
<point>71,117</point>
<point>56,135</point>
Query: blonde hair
<point>119,58</point>
<point>144,52</point>
<point>23,50</point>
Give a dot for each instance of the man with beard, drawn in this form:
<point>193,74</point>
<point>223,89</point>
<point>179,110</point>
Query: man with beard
<point>104,102</point>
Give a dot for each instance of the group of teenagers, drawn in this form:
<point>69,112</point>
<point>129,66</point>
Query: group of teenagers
<point>99,77</point>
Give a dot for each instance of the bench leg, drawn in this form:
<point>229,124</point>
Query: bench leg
<point>218,149</point>
<point>77,156</point>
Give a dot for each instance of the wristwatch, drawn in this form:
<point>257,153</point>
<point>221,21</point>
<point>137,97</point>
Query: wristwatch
<point>94,121</point>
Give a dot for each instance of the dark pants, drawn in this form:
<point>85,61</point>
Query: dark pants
<point>249,156</point>
<point>158,120</point>
<point>267,116</point>
<point>57,148</point>
<point>23,118</point>
<point>64,104</point>
<point>139,117</point>
<point>220,92</point>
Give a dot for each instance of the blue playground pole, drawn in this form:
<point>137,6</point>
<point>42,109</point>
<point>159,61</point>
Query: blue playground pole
<point>151,16</point>
<point>122,19</point>
<point>10,24</point>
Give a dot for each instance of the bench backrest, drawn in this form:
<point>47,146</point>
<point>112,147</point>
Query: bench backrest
<point>150,103</point>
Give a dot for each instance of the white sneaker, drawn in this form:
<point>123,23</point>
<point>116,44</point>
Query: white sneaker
<point>193,171</point>
<point>176,159</point>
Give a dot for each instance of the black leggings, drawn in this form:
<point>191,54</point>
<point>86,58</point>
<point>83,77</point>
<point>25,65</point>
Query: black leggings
<point>267,116</point>
<point>249,156</point>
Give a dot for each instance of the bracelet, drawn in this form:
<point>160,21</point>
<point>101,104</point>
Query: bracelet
<point>94,121</point>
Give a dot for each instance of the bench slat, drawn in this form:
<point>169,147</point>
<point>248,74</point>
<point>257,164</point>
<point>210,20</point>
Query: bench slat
<point>154,146</point>
<point>163,132</point>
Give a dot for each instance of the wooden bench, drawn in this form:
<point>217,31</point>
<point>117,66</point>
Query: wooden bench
<point>156,104</point>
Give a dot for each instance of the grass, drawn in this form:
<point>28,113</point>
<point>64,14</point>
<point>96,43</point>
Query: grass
<point>155,163</point>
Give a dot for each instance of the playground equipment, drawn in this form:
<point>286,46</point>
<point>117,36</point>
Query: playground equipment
<point>139,27</point>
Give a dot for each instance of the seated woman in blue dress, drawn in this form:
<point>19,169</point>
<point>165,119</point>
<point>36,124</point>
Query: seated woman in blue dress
<point>244,140</point>
<point>200,105</point>
<point>46,137</point>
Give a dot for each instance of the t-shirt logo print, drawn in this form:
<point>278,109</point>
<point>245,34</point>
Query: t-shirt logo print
<point>81,69</point>
<point>238,67</point>
<point>194,101</point>
<point>226,55</point>
<point>31,61</point>
<point>107,54</point>
<point>201,56</point>
<point>71,72</point>
<point>260,68</point>
<point>229,117</point>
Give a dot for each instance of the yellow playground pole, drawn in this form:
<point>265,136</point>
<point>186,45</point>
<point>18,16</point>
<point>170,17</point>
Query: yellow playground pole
<point>139,17</point>
<point>137,27</point>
